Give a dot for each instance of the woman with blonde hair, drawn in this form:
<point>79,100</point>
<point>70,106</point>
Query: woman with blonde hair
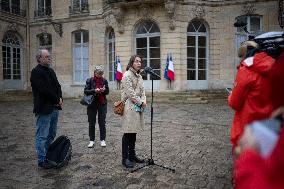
<point>247,46</point>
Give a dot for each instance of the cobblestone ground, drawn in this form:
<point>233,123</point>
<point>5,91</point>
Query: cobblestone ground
<point>191,138</point>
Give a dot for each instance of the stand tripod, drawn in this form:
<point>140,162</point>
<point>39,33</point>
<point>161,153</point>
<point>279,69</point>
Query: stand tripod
<point>151,161</point>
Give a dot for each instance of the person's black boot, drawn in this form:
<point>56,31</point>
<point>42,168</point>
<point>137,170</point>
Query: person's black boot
<point>132,154</point>
<point>135,159</point>
<point>127,163</point>
<point>45,165</point>
<point>125,155</point>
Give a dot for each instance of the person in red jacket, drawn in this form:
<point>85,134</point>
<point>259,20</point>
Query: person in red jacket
<point>277,82</point>
<point>250,97</point>
<point>252,170</point>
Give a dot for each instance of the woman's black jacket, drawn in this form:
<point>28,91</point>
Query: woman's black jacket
<point>91,86</point>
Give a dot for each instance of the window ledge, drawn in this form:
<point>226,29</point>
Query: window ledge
<point>79,14</point>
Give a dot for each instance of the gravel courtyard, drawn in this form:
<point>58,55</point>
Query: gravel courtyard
<point>193,139</point>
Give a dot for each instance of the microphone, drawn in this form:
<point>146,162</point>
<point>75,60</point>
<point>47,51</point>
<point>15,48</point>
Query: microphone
<point>150,71</point>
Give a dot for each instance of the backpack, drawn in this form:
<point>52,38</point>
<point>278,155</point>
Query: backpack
<point>59,152</point>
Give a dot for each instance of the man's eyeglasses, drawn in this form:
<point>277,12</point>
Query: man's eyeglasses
<point>48,56</point>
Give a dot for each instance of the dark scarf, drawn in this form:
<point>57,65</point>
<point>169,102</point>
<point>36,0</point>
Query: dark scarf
<point>99,83</point>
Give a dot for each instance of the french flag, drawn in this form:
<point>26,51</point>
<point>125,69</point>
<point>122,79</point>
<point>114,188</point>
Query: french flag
<point>171,71</point>
<point>167,67</point>
<point>119,74</point>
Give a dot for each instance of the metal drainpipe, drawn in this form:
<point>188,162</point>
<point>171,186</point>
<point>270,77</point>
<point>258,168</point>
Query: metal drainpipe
<point>28,42</point>
<point>281,13</point>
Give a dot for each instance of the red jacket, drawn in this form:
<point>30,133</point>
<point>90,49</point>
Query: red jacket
<point>250,97</point>
<point>277,82</point>
<point>254,172</point>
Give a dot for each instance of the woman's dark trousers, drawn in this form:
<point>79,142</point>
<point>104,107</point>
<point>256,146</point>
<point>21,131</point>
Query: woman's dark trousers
<point>127,140</point>
<point>92,114</point>
<point>128,149</point>
<point>127,145</point>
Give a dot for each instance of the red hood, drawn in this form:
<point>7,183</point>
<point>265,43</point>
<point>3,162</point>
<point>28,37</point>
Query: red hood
<point>260,63</point>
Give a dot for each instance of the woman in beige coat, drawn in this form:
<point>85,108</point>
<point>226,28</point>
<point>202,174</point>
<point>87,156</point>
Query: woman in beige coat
<point>135,102</point>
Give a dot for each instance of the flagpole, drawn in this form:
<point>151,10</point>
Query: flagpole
<point>166,71</point>
<point>117,84</point>
<point>119,73</point>
<point>170,84</point>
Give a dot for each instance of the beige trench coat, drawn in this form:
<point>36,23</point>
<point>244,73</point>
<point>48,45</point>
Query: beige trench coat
<point>132,89</point>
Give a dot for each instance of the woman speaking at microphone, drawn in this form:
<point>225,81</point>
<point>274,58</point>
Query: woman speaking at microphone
<point>133,94</point>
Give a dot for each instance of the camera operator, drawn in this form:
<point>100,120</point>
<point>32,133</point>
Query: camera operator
<point>250,97</point>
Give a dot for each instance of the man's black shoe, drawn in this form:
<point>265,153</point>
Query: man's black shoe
<point>137,160</point>
<point>45,165</point>
<point>127,163</point>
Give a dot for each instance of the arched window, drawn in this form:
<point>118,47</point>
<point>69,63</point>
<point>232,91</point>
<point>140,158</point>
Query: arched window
<point>11,51</point>
<point>45,41</point>
<point>147,39</point>
<point>197,51</point>
<point>80,56</point>
<point>111,54</point>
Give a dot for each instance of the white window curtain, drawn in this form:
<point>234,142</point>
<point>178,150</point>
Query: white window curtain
<point>80,56</point>
<point>11,52</point>
<point>111,54</point>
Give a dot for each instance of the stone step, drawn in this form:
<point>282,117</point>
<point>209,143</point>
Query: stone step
<point>15,95</point>
<point>200,96</point>
<point>188,97</point>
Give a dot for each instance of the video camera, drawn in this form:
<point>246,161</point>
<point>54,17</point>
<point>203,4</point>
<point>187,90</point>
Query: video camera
<point>270,42</point>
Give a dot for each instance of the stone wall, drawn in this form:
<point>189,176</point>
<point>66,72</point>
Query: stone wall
<point>218,18</point>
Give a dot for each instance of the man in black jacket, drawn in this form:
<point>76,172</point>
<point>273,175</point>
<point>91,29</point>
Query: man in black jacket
<point>47,98</point>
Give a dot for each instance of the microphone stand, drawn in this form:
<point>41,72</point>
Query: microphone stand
<point>151,161</point>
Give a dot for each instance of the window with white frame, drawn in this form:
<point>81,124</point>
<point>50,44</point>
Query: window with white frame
<point>111,54</point>
<point>254,27</point>
<point>196,51</point>
<point>11,53</point>
<point>80,56</point>
<point>147,40</point>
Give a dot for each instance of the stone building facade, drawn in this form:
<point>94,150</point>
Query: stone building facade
<point>199,36</point>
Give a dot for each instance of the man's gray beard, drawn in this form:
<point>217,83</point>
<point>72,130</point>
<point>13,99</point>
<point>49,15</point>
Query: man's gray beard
<point>46,65</point>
